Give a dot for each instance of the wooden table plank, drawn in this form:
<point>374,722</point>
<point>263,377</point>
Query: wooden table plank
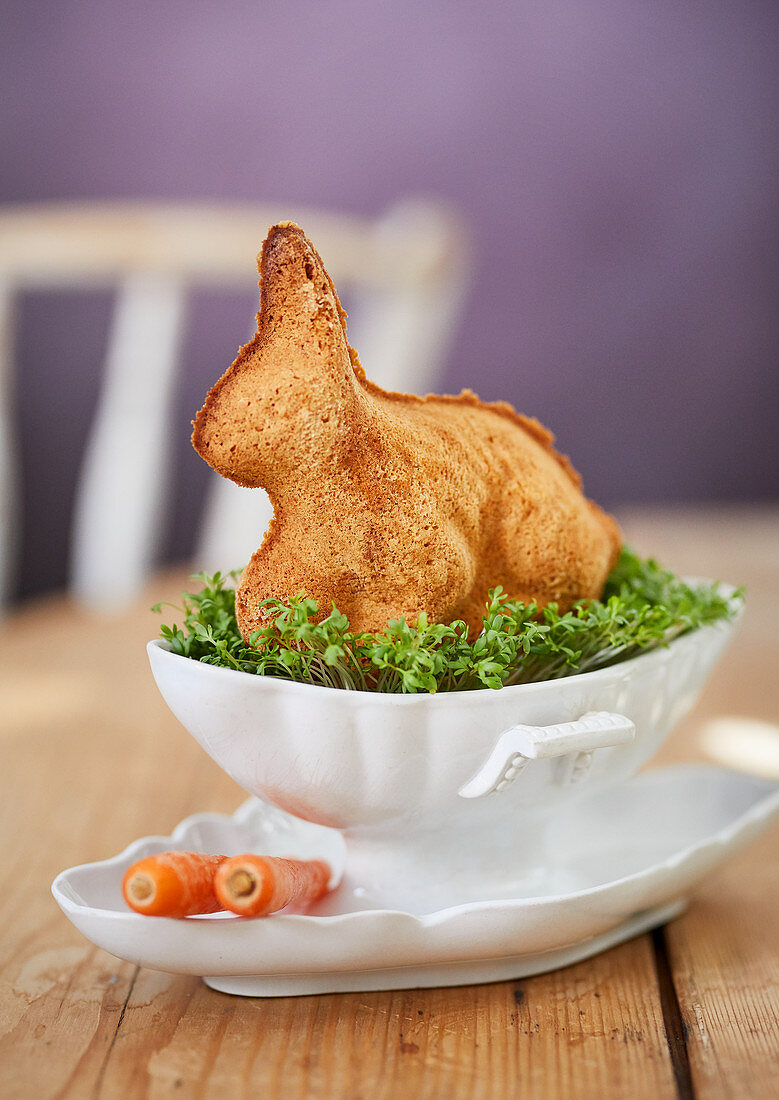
<point>724,953</point>
<point>92,759</point>
<point>594,1028</point>
<point>723,959</point>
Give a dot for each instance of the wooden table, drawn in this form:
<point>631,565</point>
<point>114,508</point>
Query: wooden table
<point>92,759</point>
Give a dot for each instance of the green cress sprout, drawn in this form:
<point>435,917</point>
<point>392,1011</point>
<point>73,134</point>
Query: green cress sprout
<point>643,606</point>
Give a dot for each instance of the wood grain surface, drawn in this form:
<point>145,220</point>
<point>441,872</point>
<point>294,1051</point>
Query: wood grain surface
<point>91,759</point>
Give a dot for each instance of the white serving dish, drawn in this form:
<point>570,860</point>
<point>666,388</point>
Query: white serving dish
<point>392,771</point>
<point>622,861</point>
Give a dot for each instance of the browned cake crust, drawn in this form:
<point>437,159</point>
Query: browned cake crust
<point>387,504</point>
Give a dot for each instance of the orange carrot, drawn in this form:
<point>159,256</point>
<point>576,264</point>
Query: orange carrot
<point>254,886</point>
<point>173,884</point>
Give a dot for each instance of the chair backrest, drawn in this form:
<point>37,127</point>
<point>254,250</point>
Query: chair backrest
<point>405,274</point>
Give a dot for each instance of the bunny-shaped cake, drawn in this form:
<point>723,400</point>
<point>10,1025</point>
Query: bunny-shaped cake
<point>387,504</point>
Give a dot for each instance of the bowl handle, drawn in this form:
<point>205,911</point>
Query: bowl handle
<point>575,741</point>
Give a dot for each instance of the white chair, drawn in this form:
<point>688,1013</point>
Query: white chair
<point>405,274</point>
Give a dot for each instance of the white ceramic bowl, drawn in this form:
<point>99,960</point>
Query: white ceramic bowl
<point>389,769</point>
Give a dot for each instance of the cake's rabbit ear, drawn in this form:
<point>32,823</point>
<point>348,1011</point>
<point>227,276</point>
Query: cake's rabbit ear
<point>297,298</point>
<point>287,398</point>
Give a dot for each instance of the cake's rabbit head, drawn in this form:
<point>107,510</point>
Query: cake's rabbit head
<point>283,399</point>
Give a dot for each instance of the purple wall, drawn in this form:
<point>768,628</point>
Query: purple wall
<point>617,162</point>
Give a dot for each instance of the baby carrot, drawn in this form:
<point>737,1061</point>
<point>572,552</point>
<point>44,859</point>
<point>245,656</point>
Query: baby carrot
<point>172,884</point>
<point>254,886</point>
